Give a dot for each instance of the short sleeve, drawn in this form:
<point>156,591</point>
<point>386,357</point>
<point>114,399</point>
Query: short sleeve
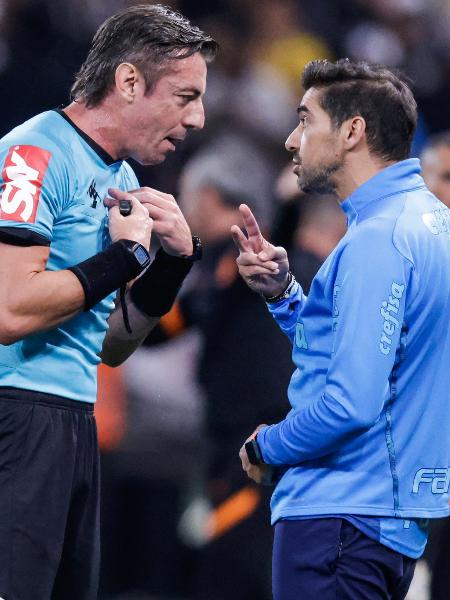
<point>34,190</point>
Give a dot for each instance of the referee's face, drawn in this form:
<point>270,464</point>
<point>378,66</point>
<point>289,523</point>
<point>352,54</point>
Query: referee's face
<point>314,144</point>
<point>157,121</point>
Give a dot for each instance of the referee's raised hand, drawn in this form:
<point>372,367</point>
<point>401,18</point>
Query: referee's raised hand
<point>263,266</point>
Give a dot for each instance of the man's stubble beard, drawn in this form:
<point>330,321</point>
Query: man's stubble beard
<point>319,180</point>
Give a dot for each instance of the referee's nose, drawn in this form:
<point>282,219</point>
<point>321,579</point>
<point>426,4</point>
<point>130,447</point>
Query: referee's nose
<point>195,117</point>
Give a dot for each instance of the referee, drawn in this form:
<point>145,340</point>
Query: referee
<point>363,457</point>
<point>75,227</point>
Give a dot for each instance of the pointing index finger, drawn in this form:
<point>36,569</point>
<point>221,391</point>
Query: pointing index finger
<point>251,226</point>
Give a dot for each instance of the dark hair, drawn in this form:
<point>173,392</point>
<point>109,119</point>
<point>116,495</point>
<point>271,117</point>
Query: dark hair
<point>149,37</point>
<point>383,98</point>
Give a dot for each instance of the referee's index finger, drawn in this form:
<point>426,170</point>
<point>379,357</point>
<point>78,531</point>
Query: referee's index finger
<point>121,195</point>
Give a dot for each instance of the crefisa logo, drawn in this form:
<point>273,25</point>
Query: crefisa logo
<point>389,309</point>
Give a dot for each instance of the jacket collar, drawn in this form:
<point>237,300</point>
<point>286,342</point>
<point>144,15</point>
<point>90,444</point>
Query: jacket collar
<point>400,177</point>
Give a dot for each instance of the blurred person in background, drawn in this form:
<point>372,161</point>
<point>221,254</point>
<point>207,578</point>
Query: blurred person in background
<point>435,159</point>
<point>235,363</point>
<point>354,494</point>
<point>411,35</point>
<point>283,39</point>
<point>239,81</point>
<point>214,182</point>
<point>66,248</point>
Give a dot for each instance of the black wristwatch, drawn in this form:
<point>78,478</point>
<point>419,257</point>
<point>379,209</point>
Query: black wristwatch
<point>197,249</point>
<point>139,253</point>
<point>253,452</point>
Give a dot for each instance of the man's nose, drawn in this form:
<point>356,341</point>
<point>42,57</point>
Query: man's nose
<point>292,144</point>
<point>195,118</point>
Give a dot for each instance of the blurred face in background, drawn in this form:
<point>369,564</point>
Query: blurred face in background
<point>436,171</point>
<point>209,215</point>
<point>316,149</point>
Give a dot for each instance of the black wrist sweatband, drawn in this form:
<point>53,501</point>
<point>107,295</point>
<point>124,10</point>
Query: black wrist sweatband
<point>105,272</point>
<point>155,291</point>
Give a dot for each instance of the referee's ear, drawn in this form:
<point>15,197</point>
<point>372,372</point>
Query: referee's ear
<point>128,79</point>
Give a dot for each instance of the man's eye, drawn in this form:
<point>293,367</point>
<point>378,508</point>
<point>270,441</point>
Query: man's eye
<point>302,121</point>
<point>184,99</point>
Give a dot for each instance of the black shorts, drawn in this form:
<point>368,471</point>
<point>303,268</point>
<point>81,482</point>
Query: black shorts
<point>49,498</point>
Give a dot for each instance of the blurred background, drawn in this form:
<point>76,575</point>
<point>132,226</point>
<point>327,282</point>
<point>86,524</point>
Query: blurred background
<point>180,521</point>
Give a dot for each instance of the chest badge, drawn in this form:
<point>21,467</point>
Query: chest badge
<point>92,192</point>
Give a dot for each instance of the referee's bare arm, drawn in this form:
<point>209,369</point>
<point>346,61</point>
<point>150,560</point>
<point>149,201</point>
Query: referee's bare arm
<point>31,298</point>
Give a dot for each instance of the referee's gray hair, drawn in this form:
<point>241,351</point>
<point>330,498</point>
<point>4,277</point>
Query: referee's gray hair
<point>149,37</point>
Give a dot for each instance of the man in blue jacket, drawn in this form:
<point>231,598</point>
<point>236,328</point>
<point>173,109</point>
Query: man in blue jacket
<point>363,456</point>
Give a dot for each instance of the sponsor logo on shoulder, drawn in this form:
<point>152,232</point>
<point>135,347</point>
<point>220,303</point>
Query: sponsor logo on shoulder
<point>437,221</point>
<point>438,480</point>
<point>389,309</point>
<point>23,172</point>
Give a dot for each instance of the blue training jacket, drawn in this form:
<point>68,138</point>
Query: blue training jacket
<point>369,429</point>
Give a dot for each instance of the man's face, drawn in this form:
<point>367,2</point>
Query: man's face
<point>314,144</point>
<point>159,120</point>
<point>436,172</point>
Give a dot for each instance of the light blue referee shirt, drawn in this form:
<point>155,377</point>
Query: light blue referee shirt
<point>53,182</point>
<point>369,430</point>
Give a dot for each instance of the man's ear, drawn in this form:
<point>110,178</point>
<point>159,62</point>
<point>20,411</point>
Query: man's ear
<point>353,131</point>
<point>128,78</point>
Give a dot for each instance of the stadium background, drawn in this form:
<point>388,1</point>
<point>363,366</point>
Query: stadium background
<point>165,418</point>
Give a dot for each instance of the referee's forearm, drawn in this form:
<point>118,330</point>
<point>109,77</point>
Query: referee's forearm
<point>42,301</point>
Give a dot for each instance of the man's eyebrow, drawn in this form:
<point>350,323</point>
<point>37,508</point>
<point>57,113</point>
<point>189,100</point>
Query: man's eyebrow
<point>188,90</point>
<point>303,108</point>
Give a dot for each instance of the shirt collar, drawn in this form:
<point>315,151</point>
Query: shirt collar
<point>106,158</point>
<point>399,177</point>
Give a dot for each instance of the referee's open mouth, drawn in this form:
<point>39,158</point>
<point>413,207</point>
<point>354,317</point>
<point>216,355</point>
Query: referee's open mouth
<point>174,141</point>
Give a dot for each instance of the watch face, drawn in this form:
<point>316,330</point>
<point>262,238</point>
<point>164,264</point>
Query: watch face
<point>141,255</point>
<point>253,452</point>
